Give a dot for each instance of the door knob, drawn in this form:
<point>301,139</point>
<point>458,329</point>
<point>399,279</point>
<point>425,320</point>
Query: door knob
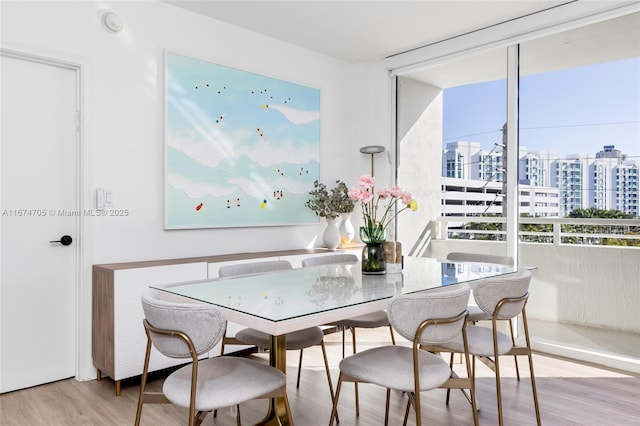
<point>65,240</point>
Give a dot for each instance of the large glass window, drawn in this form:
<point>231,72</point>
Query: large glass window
<point>578,166</point>
<point>579,124</point>
<point>579,132</point>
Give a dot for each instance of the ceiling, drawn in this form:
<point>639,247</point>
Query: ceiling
<point>364,31</point>
<point>370,31</point>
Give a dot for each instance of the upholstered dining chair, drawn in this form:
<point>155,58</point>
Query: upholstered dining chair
<point>297,340</point>
<point>431,317</point>
<point>475,313</point>
<point>187,330</point>
<point>503,297</point>
<point>372,320</point>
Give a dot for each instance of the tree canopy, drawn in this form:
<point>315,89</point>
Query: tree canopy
<point>593,212</point>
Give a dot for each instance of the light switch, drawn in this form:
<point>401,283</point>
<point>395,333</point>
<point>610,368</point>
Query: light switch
<point>99,199</point>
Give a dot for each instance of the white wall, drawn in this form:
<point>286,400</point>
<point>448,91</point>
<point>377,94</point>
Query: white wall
<point>573,284</point>
<point>123,121</point>
<point>419,126</point>
<point>125,107</point>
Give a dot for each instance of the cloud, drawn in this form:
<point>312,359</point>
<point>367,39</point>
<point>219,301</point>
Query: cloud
<point>253,188</point>
<point>210,149</point>
<point>197,189</point>
<point>295,116</point>
<point>267,154</point>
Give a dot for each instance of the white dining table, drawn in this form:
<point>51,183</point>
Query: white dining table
<point>281,302</point>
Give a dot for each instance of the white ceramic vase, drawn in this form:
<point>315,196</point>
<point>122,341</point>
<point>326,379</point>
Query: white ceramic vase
<point>331,236</point>
<point>347,231</point>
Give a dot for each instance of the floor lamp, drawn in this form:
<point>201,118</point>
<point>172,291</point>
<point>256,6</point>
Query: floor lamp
<point>372,150</point>
<point>395,264</point>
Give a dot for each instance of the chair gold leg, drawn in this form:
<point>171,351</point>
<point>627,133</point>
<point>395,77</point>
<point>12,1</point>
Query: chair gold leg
<point>415,399</point>
<point>530,358</point>
<point>451,367</point>
<point>334,409</point>
<point>393,337</point>
<point>287,407</point>
<point>143,381</point>
<point>386,408</point>
<point>326,367</point>
<point>299,369</point>
<point>515,357</point>
<point>406,413</point>
<point>496,364</point>
<point>472,388</point>
<point>353,343</point>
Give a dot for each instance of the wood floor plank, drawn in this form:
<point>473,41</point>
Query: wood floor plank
<point>570,394</point>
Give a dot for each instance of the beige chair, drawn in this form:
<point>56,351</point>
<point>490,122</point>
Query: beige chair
<point>187,330</point>
<point>372,320</point>
<point>298,340</point>
<point>503,297</point>
<point>427,318</point>
<point>475,313</point>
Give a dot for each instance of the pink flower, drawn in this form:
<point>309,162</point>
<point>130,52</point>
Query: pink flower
<point>378,217</point>
<point>366,181</point>
<point>354,194</point>
<point>384,194</point>
<point>366,196</point>
<point>396,192</point>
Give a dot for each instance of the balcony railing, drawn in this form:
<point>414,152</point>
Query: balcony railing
<point>620,232</point>
<point>581,290</point>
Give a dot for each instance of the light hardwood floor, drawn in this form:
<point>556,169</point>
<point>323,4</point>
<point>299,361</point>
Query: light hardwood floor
<point>570,394</point>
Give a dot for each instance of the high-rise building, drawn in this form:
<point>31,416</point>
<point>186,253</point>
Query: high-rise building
<point>458,158</point>
<point>577,181</point>
<point>627,188</point>
<point>535,167</point>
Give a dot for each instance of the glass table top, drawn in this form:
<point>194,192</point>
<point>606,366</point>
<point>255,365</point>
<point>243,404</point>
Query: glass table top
<point>284,295</point>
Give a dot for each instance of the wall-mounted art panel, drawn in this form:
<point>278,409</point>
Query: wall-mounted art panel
<point>241,149</point>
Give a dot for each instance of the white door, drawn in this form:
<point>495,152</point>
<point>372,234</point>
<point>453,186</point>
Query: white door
<point>38,152</point>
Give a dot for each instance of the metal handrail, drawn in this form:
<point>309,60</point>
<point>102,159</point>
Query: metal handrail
<point>556,233</point>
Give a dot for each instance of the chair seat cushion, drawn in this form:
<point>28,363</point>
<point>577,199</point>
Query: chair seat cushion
<point>392,367</point>
<point>480,342</point>
<point>476,314</point>
<point>222,382</point>
<point>372,320</point>
<point>296,340</point>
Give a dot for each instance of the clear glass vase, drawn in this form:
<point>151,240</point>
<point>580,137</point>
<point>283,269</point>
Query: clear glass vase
<point>373,256</point>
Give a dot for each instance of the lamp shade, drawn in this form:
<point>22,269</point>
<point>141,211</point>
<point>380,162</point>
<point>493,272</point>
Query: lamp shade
<point>372,149</point>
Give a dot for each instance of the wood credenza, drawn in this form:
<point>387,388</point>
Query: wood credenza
<point>118,338</point>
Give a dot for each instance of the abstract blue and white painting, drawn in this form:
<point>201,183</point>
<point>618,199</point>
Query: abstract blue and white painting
<point>241,149</point>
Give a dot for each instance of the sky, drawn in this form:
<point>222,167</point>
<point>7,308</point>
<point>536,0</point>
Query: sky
<point>568,112</point>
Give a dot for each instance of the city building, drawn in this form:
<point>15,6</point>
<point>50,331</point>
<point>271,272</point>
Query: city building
<point>549,185</point>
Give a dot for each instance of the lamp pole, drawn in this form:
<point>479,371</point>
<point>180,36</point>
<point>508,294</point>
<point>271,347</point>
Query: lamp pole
<point>372,150</point>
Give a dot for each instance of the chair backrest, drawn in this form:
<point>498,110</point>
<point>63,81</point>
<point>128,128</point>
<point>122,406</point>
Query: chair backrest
<point>204,324</point>
<point>488,292</point>
<point>475,257</point>
<point>253,268</point>
<point>408,311</point>
<point>329,259</point>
